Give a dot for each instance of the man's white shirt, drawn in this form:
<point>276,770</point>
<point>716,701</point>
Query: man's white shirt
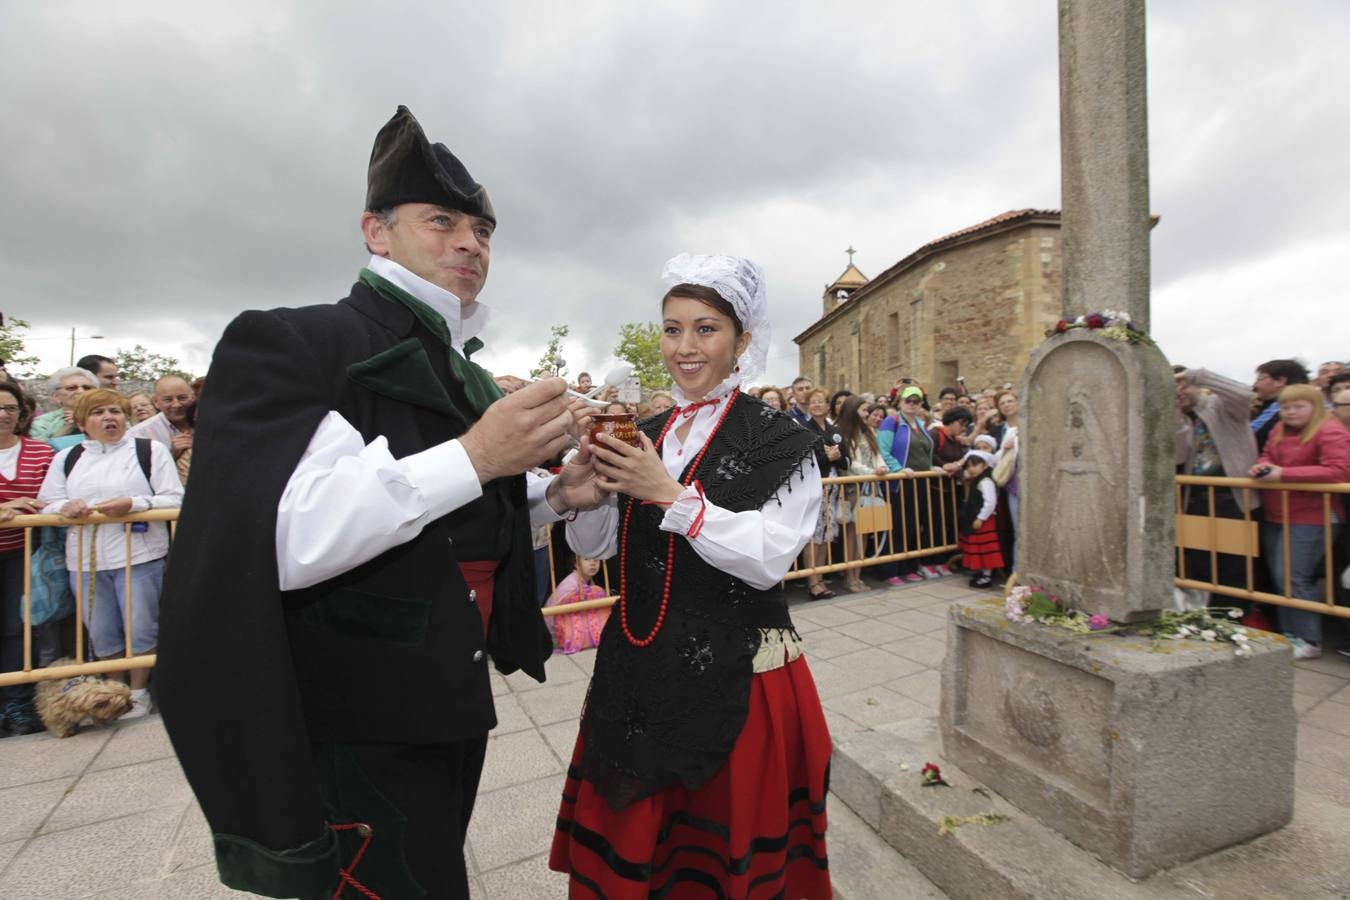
<point>348,501</point>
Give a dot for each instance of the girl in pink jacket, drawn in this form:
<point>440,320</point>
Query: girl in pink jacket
<point>1308,447</point>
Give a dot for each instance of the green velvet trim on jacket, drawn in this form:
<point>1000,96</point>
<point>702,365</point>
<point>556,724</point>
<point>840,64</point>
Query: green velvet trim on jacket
<point>479,387</point>
<point>310,870</point>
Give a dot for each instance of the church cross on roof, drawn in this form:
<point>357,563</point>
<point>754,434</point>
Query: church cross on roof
<point>851,278</point>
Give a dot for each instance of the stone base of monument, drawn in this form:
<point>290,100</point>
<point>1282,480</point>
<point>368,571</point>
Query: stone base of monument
<point>1021,859</point>
<point>1148,755</point>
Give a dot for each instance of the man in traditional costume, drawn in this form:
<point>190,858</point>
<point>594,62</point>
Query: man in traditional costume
<point>355,546</point>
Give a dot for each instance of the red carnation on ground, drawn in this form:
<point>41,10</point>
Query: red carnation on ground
<point>932,775</point>
<point>1061,326</point>
<point>1096,320</point>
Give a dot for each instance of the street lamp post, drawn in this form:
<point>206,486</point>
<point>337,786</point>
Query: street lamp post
<point>89,337</point>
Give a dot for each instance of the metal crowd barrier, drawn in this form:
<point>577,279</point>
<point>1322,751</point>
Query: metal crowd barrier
<point>1214,535</point>
<point>872,540</point>
<point>30,672</point>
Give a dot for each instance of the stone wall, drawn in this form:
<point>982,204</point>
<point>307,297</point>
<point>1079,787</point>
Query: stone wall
<point>976,307</point>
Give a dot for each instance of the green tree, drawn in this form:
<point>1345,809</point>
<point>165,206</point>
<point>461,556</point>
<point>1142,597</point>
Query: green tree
<point>552,363</point>
<point>640,345</point>
<point>12,350</point>
<point>139,364</point>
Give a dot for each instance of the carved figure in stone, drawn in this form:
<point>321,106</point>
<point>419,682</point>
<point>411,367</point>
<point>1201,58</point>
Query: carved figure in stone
<point>1088,496</point>
<point>1083,480</point>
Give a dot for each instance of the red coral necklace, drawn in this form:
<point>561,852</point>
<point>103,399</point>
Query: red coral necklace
<point>670,543</point>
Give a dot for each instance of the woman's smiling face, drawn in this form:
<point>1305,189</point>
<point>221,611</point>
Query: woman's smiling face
<point>699,345</point>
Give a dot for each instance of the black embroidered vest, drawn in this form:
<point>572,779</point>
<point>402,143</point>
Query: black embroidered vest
<point>669,713</point>
<point>970,507</point>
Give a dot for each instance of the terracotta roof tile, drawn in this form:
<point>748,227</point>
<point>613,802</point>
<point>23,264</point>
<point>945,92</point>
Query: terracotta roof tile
<point>1009,216</point>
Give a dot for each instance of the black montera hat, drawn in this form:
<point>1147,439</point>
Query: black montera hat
<point>407,168</point>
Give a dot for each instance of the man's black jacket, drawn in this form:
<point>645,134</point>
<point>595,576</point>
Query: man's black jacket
<point>250,677</point>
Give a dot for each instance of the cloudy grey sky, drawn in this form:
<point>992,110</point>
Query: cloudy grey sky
<point>167,167</point>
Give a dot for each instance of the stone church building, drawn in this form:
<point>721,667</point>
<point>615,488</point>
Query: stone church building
<point>973,303</point>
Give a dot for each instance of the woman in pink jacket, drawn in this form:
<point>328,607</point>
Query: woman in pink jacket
<point>1310,447</point>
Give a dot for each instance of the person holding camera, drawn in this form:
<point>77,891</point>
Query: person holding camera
<point>1308,446</point>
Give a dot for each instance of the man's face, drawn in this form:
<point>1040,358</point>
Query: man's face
<point>800,391</point>
<point>956,429</point>
<point>1186,394</point>
<point>1340,399</point>
<point>946,402</point>
<point>447,247</point>
<point>107,375</point>
<point>1267,388</point>
<point>71,388</point>
<point>173,397</point>
<point>1326,372</point>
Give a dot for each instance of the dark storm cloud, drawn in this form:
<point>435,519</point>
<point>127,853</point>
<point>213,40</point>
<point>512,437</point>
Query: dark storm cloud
<point>166,168</point>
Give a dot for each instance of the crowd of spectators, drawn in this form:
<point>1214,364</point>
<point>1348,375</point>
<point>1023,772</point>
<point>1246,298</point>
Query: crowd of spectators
<point>1286,428</point>
<point>95,451</point>
<point>1283,426</point>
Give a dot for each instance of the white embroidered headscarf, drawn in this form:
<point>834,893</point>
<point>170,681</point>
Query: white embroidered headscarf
<point>739,282</point>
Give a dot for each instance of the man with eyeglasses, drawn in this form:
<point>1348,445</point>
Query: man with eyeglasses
<point>1271,378</point>
<point>67,386</point>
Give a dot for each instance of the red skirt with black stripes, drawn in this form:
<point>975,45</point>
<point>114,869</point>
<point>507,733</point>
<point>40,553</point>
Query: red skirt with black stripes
<point>981,549</point>
<point>756,830</point>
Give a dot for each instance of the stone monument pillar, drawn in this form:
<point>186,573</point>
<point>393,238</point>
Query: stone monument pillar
<point>1103,145</point>
<point>1129,752</point>
<point>1096,461</point>
<point>1097,438</point>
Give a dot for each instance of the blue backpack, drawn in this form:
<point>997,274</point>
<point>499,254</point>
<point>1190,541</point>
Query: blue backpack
<point>49,587</point>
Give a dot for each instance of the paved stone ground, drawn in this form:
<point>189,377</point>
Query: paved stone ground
<point>107,813</point>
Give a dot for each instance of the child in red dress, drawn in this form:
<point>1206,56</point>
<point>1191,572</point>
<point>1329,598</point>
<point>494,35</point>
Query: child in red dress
<point>980,550</point>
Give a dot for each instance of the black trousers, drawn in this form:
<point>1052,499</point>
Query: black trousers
<point>915,503</point>
<point>417,801</point>
<point>11,624</point>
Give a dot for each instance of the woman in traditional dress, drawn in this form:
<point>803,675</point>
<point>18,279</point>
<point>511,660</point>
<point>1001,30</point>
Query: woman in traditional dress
<point>700,768</point>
